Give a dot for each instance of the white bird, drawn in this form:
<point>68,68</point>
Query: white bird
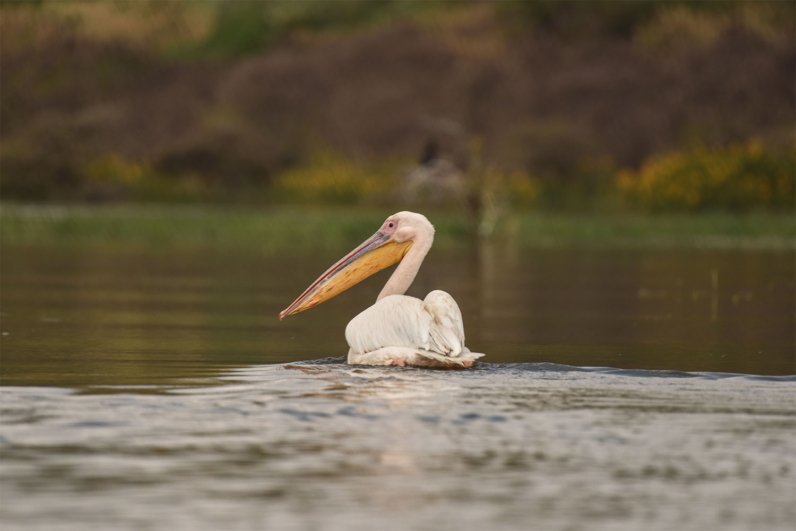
<point>397,330</point>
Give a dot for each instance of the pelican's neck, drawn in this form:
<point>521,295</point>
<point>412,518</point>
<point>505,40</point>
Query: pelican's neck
<point>405,273</point>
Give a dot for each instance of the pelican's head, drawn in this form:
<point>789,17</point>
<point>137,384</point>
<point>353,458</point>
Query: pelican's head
<point>388,246</point>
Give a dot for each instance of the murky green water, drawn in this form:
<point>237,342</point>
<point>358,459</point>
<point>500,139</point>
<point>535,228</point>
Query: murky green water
<point>158,390</point>
<point>76,317</point>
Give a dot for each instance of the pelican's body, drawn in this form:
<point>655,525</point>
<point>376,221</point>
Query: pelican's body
<point>397,330</point>
<point>401,330</point>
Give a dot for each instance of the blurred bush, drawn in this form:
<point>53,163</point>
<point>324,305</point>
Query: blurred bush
<point>230,101</point>
<point>43,162</point>
<point>245,27</point>
<point>239,28</point>
<point>676,27</point>
<point>657,22</point>
<point>579,18</point>
<point>563,164</point>
<point>114,177</point>
<point>329,177</point>
<point>739,177</point>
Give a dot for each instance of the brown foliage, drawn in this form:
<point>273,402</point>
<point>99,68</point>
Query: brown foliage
<point>534,99</point>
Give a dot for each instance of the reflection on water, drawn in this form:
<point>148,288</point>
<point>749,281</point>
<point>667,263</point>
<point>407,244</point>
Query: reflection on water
<point>159,391</point>
<point>75,317</point>
<point>329,446</point>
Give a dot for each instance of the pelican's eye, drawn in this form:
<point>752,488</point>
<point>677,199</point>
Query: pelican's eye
<point>389,227</point>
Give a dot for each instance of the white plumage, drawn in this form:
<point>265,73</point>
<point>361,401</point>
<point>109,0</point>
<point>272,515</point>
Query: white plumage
<point>404,330</point>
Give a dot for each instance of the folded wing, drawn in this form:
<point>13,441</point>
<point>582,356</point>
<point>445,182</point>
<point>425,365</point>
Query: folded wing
<point>432,328</point>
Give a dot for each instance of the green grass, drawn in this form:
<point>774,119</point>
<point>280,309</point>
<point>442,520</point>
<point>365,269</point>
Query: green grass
<point>704,230</point>
<point>273,229</point>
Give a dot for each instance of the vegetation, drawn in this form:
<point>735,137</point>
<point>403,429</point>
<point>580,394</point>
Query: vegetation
<point>739,177</point>
<point>578,106</point>
<point>301,229</point>
<point>328,177</point>
<point>248,27</point>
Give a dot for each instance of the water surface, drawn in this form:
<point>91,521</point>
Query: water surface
<point>329,446</point>
<point>76,316</point>
<point>622,390</point>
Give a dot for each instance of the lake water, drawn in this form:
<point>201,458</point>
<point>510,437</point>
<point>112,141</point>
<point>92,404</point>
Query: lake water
<point>622,389</point>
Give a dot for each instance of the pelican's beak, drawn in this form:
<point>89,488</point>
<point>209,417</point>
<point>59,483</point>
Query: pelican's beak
<point>376,253</point>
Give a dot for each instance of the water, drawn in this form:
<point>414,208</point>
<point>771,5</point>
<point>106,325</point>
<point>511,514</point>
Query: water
<point>78,317</point>
<point>158,390</point>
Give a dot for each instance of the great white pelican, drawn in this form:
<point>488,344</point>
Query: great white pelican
<point>397,330</point>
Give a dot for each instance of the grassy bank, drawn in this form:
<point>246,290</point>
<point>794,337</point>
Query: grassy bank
<point>714,230</point>
<point>273,229</point>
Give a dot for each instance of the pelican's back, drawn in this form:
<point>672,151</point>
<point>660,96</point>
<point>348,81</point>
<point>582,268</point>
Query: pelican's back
<point>434,325</point>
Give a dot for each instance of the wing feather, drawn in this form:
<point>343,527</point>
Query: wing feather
<point>448,330</point>
<point>433,325</point>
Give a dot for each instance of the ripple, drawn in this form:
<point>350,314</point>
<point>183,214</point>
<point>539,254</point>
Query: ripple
<point>309,445</point>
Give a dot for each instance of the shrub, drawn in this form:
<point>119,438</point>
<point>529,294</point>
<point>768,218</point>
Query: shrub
<point>330,177</point>
<point>738,177</point>
<point>560,165</point>
<point>114,177</point>
<point>687,26</point>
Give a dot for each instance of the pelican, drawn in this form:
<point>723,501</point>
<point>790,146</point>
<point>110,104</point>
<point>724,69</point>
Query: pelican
<point>397,330</point>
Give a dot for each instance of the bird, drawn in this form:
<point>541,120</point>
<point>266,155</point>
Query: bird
<point>397,330</point>
<point>435,177</point>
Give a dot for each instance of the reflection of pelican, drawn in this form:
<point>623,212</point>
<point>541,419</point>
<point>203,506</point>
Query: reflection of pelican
<point>397,330</point>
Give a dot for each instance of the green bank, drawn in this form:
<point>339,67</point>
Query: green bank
<point>273,229</point>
